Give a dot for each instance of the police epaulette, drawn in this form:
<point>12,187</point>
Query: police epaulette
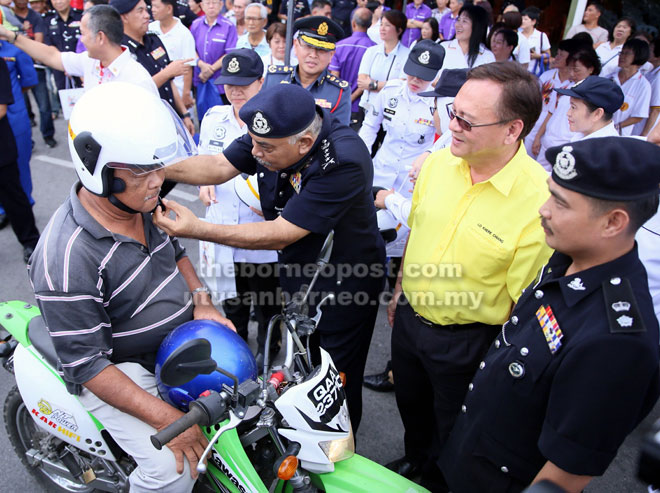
<point>336,81</point>
<point>280,69</point>
<point>622,311</point>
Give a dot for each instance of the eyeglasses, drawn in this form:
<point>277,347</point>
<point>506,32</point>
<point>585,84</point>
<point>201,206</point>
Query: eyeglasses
<point>253,19</point>
<point>466,125</point>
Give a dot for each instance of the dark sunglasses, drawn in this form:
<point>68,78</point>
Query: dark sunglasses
<point>466,125</point>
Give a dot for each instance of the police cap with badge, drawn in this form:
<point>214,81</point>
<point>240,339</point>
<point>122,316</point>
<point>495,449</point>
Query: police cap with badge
<point>240,68</point>
<point>123,6</point>
<point>598,91</point>
<point>318,32</point>
<point>425,60</point>
<point>271,114</point>
<point>609,168</point>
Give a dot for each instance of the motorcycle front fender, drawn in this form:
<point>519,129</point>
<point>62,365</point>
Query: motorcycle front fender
<point>361,475</point>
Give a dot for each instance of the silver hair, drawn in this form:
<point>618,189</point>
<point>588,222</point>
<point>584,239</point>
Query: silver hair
<point>262,10</point>
<point>314,129</point>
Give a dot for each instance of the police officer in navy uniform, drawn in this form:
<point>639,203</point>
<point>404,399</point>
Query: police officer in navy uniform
<point>314,176</point>
<point>63,31</point>
<point>575,368</point>
<point>315,45</point>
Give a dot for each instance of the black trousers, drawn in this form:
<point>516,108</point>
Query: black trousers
<point>255,284</point>
<point>17,207</point>
<point>349,348</point>
<point>433,366</point>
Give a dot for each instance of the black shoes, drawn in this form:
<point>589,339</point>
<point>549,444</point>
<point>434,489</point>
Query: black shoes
<point>27,252</point>
<point>404,467</point>
<point>4,220</point>
<point>380,382</point>
<point>50,142</point>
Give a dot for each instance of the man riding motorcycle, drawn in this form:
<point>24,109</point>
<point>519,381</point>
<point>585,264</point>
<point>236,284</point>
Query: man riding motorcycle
<point>111,286</point>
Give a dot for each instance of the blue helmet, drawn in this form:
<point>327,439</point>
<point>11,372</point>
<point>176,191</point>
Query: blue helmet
<point>229,351</point>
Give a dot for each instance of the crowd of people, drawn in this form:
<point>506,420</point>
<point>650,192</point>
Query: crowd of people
<point>459,127</point>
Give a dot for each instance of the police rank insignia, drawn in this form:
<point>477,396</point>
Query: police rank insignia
<point>233,66</point>
<point>565,164</point>
<point>622,311</point>
<point>424,58</point>
<point>296,180</point>
<point>551,331</point>
<point>260,124</point>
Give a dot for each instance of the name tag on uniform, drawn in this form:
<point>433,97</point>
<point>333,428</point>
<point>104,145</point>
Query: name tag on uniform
<point>216,40</point>
<point>551,331</point>
<point>324,103</point>
<point>390,111</point>
<point>158,52</point>
<point>74,24</point>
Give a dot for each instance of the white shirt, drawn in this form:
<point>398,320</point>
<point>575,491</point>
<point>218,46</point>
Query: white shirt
<point>598,34</point>
<point>636,100</point>
<point>538,42</point>
<point>455,58</point>
<point>123,68</point>
<point>382,67</point>
<point>609,58</point>
<point>608,130</point>
<point>522,50</point>
<point>648,245</point>
<point>548,80</point>
<point>557,131</point>
<point>219,129</point>
<point>179,43</point>
<point>374,33</point>
<point>262,49</point>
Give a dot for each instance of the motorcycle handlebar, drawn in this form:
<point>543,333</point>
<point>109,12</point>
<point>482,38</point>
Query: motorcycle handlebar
<point>195,416</point>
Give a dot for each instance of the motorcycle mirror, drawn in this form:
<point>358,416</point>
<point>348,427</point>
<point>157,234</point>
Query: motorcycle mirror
<point>326,249</point>
<point>186,362</point>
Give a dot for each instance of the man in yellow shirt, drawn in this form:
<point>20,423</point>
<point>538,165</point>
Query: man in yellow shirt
<point>476,241</point>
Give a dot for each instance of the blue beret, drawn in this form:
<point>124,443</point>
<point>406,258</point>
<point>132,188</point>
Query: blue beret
<point>605,168</point>
<point>240,68</point>
<point>279,111</point>
<point>601,92</point>
<point>123,6</point>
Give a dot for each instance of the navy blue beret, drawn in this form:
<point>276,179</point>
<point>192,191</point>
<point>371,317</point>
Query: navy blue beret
<point>279,111</point>
<point>610,168</point>
<point>240,68</point>
<point>601,92</point>
<point>123,6</point>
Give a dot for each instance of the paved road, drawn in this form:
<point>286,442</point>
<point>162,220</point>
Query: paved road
<point>380,434</point>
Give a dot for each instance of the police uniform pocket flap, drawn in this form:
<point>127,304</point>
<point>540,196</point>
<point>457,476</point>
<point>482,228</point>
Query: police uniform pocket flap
<point>508,469</point>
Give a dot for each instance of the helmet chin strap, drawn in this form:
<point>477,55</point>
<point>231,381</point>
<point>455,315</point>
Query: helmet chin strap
<point>118,186</point>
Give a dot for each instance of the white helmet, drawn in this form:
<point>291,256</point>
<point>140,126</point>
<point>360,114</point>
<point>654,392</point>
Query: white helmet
<point>124,126</point>
<point>247,189</point>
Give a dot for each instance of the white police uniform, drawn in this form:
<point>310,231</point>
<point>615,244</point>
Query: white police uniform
<point>648,244</point>
<point>219,129</point>
<point>408,120</point>
<point>557,131</point>
<point>455,58</point>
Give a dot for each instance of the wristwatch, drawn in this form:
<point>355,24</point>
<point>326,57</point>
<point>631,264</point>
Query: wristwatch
<point>373,85</point>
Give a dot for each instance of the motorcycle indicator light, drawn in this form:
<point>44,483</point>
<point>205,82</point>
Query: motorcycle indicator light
<point>288,467</point>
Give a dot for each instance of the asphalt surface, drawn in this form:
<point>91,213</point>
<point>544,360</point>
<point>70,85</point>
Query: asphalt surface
<point>380,437</point>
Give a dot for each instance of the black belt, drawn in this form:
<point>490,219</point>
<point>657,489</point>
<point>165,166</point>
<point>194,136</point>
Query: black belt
<point>454,327</point>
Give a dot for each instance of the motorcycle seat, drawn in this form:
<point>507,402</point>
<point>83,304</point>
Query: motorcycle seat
<point>41,340</point>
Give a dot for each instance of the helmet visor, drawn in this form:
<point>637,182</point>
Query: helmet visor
<point>179,149</point>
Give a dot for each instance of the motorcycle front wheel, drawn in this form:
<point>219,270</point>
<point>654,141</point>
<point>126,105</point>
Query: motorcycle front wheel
<point>24,434</point>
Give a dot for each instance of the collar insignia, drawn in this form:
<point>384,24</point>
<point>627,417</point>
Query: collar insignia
<point>576,284</point>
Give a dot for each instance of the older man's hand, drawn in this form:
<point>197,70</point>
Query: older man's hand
<point>184,225</point>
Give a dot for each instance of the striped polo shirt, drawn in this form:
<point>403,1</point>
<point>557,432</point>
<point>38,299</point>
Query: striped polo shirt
<point>105,297</point>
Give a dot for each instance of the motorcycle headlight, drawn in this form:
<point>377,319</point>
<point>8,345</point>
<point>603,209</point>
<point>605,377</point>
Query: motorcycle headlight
<point>340,449</point>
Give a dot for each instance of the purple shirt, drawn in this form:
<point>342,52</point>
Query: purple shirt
<point>415,14</point>
<point>211,42</point>
<point>447,26</point>
<point>347,58</point>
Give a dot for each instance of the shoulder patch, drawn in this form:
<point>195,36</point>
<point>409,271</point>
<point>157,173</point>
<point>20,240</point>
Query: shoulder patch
<point>622,311</point>
<point>327,156</point>
<point>280,69</point>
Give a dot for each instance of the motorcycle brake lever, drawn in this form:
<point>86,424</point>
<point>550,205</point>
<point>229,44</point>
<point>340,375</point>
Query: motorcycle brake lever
<point>234,421</point>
